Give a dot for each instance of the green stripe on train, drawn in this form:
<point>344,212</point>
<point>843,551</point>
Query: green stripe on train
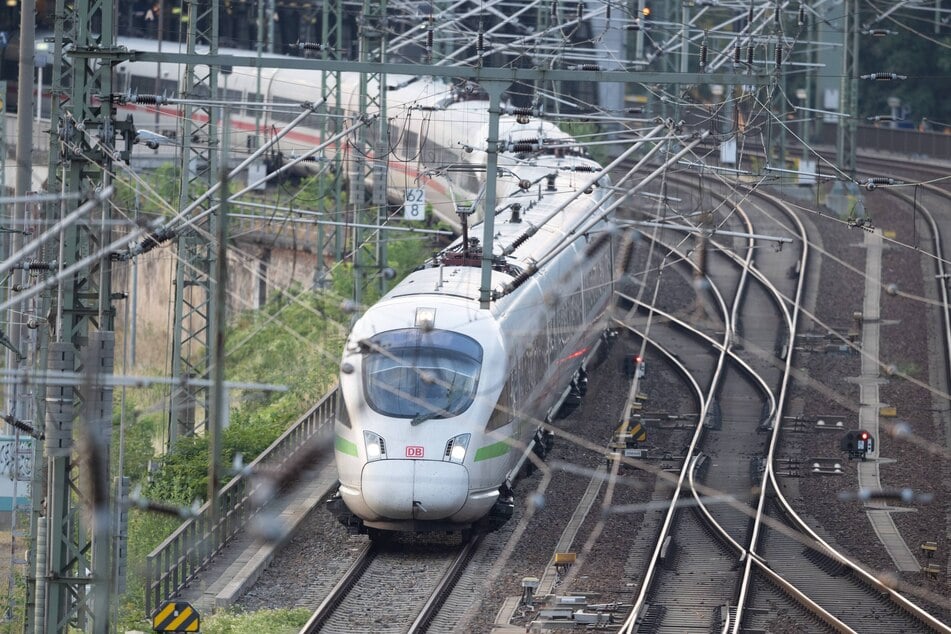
<point>494,450</point>
<point>345,446</point>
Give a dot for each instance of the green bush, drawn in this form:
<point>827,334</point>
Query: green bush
<point>139,430</point>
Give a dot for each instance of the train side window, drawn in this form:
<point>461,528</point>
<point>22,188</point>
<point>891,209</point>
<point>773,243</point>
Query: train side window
<point>285,113</point>
<point>503,412</point>
<point>410,144</point>
<point>342,413</point>
<point>253,106</point>
<point>233,96</point>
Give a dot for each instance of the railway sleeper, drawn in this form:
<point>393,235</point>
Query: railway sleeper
<point>651,617</point>
<point>832,567</point>
<point>714,418</point>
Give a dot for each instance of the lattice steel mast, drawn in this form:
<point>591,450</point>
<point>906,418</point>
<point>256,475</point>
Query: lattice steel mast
<point>331,47</point>
<point>369,154</point>
<point>73,548</point>
<point>845,140</point>
<point>194,285</point>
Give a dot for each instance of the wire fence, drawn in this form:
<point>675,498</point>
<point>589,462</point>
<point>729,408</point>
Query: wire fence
<point>180,558</point>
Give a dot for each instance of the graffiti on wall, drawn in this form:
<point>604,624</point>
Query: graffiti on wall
<point>16,464</point>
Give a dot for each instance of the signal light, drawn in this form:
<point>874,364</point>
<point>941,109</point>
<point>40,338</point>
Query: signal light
<point>637,358</point>
<point>857,443</point>
<point>640,21</point>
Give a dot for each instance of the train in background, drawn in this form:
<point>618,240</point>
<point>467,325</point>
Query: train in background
<point>442,399</point>
<point>431,141</point>
<point>424,136</point>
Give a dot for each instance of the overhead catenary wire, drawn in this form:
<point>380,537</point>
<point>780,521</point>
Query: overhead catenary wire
<point>229,198</point>
<point>599,215</point>
<point>308,109</point>
<point>74,216</point>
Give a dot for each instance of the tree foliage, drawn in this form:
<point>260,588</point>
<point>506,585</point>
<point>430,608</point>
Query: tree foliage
<point>925,58</point>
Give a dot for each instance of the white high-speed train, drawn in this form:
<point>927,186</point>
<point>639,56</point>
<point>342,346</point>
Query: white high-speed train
<point>442,400</point>
<point>431,141</point>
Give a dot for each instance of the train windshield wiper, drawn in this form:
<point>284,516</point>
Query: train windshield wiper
<point>422,418</point>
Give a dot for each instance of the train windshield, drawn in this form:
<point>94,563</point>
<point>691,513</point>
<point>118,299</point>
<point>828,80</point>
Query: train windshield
<point>421,375</point>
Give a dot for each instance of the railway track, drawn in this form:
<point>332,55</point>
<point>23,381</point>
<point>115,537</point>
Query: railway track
<point>798,564</point>
<point>768,594</point>
<point>723,614</point>
<point>393,587</point>
<point>689,592</point>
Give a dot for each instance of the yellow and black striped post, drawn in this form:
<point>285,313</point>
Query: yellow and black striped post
<point>176,616</point>
<point>632,428</point>
<point>637,431</point>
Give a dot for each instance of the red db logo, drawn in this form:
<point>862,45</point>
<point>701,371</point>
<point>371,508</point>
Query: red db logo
<point>414,451</point>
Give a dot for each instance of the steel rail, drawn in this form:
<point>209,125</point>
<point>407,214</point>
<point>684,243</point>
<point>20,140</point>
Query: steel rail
<point>752,556</point>
<point>446,584</point>
<point>749,556</point>
<point>340,590</point>
<point>905,603</point>
<point>667,525</point>
<point>702,508</point>
<point>791,324</point>
<point>745,268</point>
<point>802,598</point>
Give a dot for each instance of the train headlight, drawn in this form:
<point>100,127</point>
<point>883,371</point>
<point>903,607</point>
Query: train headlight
<point>456,448</point>
<point>376,447</point>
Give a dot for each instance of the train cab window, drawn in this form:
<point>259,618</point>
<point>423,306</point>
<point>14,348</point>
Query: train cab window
<point>252,108</point>
<point>410,373</point>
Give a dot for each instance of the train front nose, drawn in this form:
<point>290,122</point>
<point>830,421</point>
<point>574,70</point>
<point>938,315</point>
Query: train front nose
<point>415,489</point>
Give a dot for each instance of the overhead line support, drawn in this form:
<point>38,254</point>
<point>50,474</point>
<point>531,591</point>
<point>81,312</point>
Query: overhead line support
<point>73,538</point>
<point>194,282</point>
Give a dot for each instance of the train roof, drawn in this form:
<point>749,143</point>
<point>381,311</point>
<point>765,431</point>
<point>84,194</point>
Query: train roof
<point>462,282</point>
<point>288,84</point>
<point>546,206</point>
<point>170,46</point>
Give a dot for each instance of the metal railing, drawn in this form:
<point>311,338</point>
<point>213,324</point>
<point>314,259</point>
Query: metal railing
<point>913,143</point>
<point>179,558</point>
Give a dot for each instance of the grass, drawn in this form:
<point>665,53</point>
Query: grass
<point>271,621</point>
